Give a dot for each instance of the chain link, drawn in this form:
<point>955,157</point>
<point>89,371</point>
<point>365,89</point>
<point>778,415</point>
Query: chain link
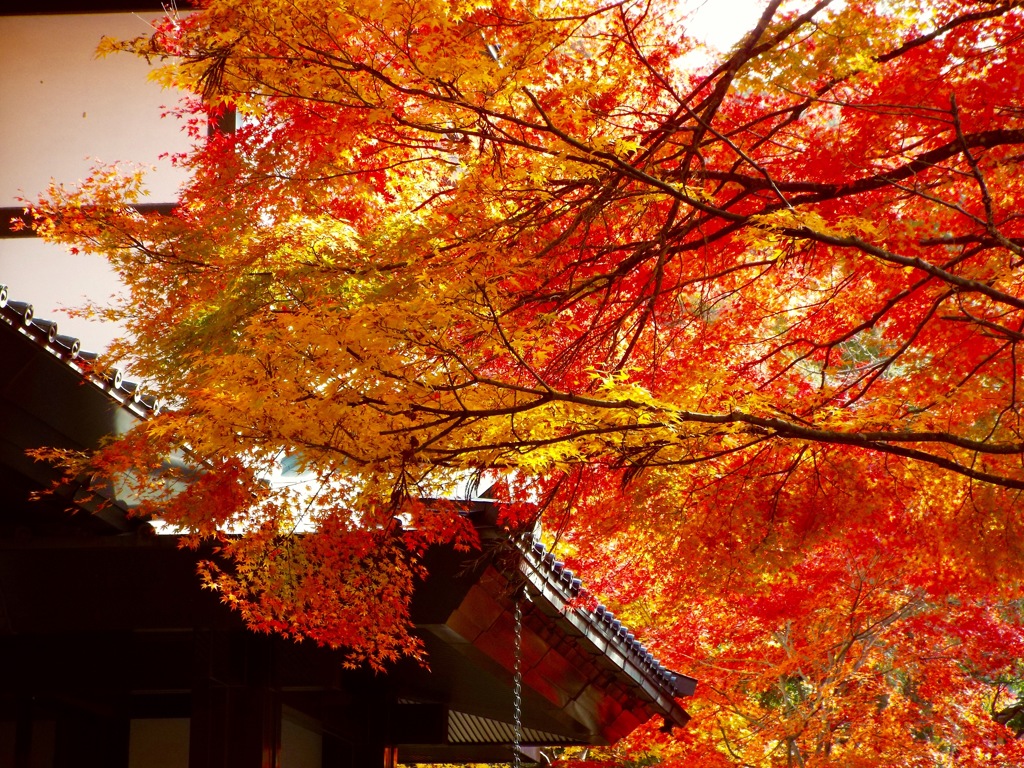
<point>517,688</point>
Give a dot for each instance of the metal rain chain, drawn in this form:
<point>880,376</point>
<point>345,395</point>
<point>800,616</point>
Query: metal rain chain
<point>517,686</point>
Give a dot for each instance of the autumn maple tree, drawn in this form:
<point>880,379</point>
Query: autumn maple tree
<point>743,327</point>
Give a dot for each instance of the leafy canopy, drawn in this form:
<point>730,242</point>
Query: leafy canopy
<point>747,325</point>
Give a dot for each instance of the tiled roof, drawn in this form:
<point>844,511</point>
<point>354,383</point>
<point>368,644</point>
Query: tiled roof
<point>130,394</point>
<point>560,589</point>
<point>607,634</point>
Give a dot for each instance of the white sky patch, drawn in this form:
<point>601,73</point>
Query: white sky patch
<point>720,24</point>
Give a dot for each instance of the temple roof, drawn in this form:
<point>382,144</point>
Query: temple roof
<point>587,679</point>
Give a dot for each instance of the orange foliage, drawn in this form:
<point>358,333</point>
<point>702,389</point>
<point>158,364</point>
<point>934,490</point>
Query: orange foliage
<point>745,328</point>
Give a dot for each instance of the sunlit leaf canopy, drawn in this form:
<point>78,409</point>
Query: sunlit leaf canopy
<point>747,322</point>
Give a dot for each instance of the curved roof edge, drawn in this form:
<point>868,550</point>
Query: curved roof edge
<point>607,635</point>
<point>131,395</point>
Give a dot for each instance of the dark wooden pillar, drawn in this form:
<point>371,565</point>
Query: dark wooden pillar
<point>23,726</point>
<point>236,709</point>
<point>33,740</point>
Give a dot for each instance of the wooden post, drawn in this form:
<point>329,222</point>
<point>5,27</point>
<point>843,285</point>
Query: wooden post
<point>236,711</point>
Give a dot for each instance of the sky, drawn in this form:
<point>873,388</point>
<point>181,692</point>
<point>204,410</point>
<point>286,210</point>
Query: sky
<point>721,23</point>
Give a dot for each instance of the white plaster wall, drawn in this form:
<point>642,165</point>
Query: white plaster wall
<point>301,746</point>
<point>62,111</point>
<point>159,743</point>
<point>54,281</point>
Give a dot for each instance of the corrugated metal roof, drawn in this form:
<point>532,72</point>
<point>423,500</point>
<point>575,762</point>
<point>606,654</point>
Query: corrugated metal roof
<point>464,728</point>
